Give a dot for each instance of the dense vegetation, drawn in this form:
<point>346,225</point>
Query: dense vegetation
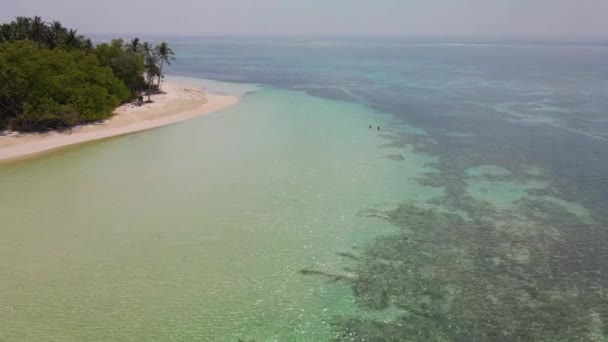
<point>52,78</point>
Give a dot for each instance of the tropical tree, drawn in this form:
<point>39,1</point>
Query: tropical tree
<point>73,40</point>
<point>150,65</point>
<point>128,67</point>
<point>87,45</point>
<point>134,46</point>
<point>6,33</point>
<point>165,55</point>
<point>37,30</point>
<point>21,28</point>
<point>44,89</point>
<point>51,77</point>
<point>152,71</point>
<point>147,48</point>
<point>55,34</point>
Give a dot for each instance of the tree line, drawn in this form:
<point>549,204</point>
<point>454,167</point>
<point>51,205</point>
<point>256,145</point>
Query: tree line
<point>52,78</point>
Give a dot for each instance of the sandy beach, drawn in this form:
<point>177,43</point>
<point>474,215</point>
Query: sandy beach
<point>180,103</point>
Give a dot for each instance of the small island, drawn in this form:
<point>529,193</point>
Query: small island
<point>57,88</point>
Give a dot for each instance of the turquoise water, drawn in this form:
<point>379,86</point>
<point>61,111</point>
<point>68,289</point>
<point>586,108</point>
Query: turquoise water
<point>200,229</point>
<point>476,213</point>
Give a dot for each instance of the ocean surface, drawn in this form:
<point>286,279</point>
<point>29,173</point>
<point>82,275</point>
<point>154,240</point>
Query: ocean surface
<point>475,208</point>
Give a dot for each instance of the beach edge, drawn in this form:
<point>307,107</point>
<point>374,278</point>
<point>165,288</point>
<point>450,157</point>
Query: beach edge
<point>181,102</point>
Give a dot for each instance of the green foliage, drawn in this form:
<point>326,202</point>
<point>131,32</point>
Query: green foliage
<point>45,35</point>
<point>127,66</point>
<point>46,89</point>
<point>52,77</point>
<point>165,55</point>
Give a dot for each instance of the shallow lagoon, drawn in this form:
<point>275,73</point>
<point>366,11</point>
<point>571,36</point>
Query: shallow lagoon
<point>198,229</point>
<point>286,218</point>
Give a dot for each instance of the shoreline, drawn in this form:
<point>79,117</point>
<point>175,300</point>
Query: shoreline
<point>179,103</point>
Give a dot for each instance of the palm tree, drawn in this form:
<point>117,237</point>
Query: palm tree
<point>150,64</point>
<point>147,48</point>
<point>151,67</point>
<point>134,46</point>
<point>88,45</point>
<point>73,39</point>
<point>54,34</point>
<point>22,27</point>
<point>6,32</point>
<point>37,30</point>
<point>165,55</point>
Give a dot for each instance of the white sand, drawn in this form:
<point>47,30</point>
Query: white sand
<point>178,104</point>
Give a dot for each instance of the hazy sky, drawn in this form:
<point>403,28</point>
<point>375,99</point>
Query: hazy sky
<point>519,18</point>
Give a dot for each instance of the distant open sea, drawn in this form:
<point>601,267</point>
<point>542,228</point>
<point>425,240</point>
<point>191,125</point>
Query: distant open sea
<point>363,189</point>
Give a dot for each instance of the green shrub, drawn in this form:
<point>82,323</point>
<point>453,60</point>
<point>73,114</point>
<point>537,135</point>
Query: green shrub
<point>46,89</point>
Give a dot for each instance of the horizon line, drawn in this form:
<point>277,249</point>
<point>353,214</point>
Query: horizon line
<point>479,39</point>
